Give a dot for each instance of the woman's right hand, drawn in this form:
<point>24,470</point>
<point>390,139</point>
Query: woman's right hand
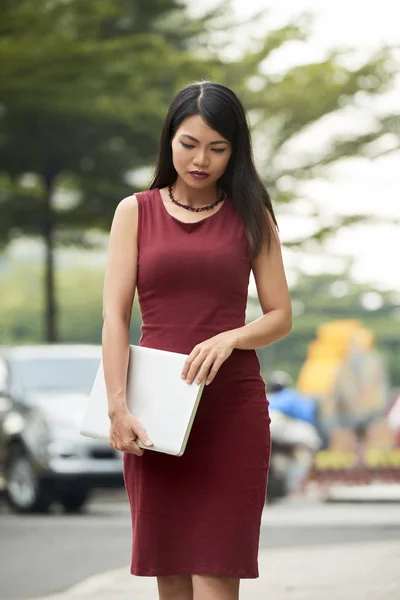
<point>124,431</point>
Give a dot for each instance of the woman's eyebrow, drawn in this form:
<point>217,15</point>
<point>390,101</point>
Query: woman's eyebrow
<point>211,143</point>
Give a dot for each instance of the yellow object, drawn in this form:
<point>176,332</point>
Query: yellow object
<point>345,371</point>
<point>317,376</point>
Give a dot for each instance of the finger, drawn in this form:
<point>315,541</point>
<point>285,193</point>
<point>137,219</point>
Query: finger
<point>141,433</point>
<point>132,448</point>
<point>214,370</point>
<point>195,367</point>
<point>136,451</point>
<point>205,368</point>
<point>188,362</point>
<point>112,441</point>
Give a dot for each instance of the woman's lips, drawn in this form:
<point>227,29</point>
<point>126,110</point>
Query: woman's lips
<point>197,175</point>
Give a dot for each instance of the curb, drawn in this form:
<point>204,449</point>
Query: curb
<point>90,586</point>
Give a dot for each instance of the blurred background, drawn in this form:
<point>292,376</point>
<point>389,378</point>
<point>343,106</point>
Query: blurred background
<point>85,86</point>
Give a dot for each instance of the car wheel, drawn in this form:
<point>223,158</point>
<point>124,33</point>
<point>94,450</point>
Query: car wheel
<point>74,501</point>
<point>24,492</point>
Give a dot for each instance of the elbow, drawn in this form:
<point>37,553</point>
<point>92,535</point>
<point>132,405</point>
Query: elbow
<point>106,317</point>
<point>287,323</point>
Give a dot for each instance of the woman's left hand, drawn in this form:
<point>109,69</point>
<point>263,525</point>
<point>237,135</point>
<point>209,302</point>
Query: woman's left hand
<point>207,355</point>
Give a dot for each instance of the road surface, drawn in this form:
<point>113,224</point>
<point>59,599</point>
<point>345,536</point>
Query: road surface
<point>45,554</point>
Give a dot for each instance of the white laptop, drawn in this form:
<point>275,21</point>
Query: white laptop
<point>156,395</point>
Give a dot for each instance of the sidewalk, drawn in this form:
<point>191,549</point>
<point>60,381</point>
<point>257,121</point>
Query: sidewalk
<point>367,571</point>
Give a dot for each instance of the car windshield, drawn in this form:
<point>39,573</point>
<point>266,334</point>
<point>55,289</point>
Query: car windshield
<point>60,374</point>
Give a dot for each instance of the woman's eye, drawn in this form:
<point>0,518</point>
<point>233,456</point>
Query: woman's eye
<point>189,146</point>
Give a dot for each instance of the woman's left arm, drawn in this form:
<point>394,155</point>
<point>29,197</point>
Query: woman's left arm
<point>276,322</point>
<point>273,294</point>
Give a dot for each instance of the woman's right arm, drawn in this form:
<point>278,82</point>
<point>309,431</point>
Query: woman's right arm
<point>118,295</point>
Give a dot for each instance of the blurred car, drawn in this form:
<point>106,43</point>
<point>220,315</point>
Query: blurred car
<point>43,457</point>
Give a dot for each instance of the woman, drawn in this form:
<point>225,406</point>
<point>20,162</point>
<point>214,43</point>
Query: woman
<point>188,244</point>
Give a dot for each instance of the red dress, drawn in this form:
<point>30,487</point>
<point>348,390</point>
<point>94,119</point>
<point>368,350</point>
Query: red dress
<point>200,513</point>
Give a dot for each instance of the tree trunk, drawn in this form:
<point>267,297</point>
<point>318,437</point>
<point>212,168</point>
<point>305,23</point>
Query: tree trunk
<point>50,314</point>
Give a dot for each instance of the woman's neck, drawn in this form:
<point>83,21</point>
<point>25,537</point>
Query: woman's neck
<point>194,197</point>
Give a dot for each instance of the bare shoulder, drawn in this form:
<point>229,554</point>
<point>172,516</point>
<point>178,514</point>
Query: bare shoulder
<point>128,206</point>
<point>125,221</point>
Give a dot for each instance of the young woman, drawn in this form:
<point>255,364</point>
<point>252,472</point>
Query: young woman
<point>188,244</point>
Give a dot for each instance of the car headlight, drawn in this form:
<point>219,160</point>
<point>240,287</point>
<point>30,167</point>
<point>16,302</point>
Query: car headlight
<point>36,434</point>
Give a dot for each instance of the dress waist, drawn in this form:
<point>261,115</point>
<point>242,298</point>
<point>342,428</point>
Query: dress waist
<point>179,338</point>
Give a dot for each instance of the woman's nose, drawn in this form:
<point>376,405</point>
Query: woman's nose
<point>201,159</point>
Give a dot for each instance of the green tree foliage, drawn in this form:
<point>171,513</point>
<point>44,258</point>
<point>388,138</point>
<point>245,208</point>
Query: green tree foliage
<point>80,304</point>
<point>84,90</point>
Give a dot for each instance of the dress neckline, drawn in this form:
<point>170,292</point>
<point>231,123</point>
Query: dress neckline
<point>189,223</point>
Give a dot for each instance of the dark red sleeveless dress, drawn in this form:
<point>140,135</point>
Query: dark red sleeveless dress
<point>200,513</point>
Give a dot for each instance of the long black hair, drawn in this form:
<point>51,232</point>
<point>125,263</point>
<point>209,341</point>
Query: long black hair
<point>221,109</point>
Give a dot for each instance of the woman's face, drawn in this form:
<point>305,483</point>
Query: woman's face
<point>200,154</point>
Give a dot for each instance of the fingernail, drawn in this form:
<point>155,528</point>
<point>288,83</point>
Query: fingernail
<point>183,376</point>
<point>198,381</point>
<point>148,443</point>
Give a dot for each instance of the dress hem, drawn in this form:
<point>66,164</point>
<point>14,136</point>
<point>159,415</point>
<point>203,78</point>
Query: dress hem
<point>212,572</point>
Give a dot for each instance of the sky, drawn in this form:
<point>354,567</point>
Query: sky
<point>359,186</point>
